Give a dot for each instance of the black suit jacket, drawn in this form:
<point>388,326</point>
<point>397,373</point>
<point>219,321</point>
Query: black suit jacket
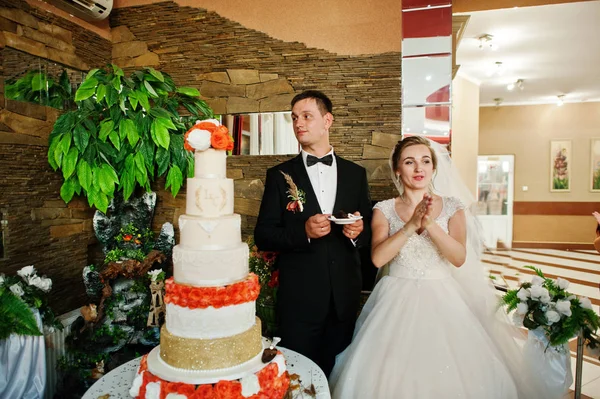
<point>313,273</point>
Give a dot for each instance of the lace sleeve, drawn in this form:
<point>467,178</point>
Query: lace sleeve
<point>386,207</point>
<point>453,205</point>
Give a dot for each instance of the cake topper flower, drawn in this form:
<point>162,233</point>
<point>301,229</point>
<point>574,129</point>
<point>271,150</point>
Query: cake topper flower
<point>207,134</point>
<point>297,196</point>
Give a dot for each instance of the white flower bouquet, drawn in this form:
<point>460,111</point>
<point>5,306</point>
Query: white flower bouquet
<point>545,304</point>
<point>18,296</point>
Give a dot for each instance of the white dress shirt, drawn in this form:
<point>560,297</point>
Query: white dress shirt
<point>323,179</point>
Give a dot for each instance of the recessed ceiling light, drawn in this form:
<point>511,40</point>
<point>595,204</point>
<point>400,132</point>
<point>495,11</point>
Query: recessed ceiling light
<point>428,77</point>
<point>560,100</point>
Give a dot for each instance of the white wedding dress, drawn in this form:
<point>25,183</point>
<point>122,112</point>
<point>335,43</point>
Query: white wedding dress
<point>417,337</point>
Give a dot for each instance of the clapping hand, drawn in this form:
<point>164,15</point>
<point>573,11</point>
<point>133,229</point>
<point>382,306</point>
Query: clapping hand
<point>421,217</point>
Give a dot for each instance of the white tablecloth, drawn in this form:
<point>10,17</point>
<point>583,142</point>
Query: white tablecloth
<point>118,381</point>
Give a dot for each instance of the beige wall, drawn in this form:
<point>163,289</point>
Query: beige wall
<point>347,27</point>
<point>465,129</point>
<point>526,131</point>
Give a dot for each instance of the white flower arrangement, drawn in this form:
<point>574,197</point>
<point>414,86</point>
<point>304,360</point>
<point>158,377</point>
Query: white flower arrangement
<point>545,304</point>
<point>31,289</point>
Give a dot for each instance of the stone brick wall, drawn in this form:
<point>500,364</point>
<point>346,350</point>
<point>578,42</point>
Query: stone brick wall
<point>204,50</point>
<point>40,228</point>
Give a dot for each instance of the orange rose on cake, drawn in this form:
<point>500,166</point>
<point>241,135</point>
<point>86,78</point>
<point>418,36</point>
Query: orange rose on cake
<point>208,134</point>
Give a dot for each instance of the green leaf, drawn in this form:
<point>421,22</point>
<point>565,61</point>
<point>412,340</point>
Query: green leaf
<point>143,97</point>
<point>150,89</point>
<point>111,96</point>
<point>100,92</point>
<point>156,74</point>
<point>53,144</point>
<point>67,190</point>
<point>87,89</point>
<point>166,123</point>
<point>39,82</point>
<point>106,126</point>
<point>16,316</point>
<point>118,71</point>
<point>84,174</point>
<point>141,173</point>
<point>127,183</point>
<point>188,91</point>
<point>160,135</point>
<point>101,201</point>
<point>133,100</point>
<point>69,163</point>
<point>122,105</point>
<point>174,179</point>
<point>115,139</point>
<point>105,178</point>
<point>162,159</point>
<point>132,133</point>
<point>116,83</point>
<point>65,144</point>
<point>91,73</point>
<point>146,147</point>
<point>81,137</point>
<point>58,154</point>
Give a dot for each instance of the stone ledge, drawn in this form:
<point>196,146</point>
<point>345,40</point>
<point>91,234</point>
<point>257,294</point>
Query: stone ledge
<point>66,230</point>
<point>245,206</point>
<point>19,16</point>
<point>26,125</point>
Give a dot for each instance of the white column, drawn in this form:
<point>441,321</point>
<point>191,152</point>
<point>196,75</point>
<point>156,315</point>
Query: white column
<point>266,134</point>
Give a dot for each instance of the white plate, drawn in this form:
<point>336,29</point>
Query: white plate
<point>351,219</point>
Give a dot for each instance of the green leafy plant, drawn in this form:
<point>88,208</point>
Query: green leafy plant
<point>131,243</point>
<point>36,87</point>
<point>544,303</point>
<point>126,132</point>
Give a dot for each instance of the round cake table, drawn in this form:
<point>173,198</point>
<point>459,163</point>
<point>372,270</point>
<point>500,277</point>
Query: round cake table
<point>118,381</point>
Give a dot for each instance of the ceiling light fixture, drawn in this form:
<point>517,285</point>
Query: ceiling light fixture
<point>487,41</point>
<point>496,68</point>
<point>518,84</point>
<point>428,77</point>
<point>560,100</point>
<point>498,101</point>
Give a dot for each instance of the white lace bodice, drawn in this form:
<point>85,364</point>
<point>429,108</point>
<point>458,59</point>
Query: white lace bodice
<point>419,258</point>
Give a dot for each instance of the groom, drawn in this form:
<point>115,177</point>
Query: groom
<point>319,267</point>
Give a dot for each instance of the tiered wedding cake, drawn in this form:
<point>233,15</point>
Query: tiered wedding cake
<point>211,344</point>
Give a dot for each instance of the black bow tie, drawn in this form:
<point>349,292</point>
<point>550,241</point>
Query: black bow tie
<point>311,160</point>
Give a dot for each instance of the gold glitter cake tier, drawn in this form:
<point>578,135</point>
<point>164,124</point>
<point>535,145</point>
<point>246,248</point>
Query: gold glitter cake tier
<point>210,354</point>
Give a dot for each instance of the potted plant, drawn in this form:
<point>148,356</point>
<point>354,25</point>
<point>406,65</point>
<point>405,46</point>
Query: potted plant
<point>126,132</point>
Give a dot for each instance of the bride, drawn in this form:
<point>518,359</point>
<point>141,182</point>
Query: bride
<point>428,329</point>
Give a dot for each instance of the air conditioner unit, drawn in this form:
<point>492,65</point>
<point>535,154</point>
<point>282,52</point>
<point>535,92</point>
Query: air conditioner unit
<point>89,10</point>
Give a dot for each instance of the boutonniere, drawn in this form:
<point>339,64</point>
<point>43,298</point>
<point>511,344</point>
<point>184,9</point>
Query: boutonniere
<point>297,196</point>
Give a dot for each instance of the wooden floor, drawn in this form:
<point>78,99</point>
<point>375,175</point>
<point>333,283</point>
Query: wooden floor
<point>580,267</point>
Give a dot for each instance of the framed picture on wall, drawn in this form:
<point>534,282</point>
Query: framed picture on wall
<point>595,166</point>
<point>560,165</point>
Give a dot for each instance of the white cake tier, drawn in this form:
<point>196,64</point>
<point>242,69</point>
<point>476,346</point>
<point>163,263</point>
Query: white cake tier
<point>210,233</point>
<point>209,323</point>
<point>209,197</point>
<point>210,267</point>
<point>210,164</point>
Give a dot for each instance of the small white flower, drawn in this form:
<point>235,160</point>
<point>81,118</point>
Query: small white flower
<point>585,302</point>
<point>17,290</point>
<point>517,319</point>
<point>199,139</point>
<point>562,283</point>
<point>2,278</point>
<point>154,274</point>
<point>552,317</point>
<point>522,308</point>
<point>571,297</point>
<point>26,271</point>
<point>537,292</point>
<point>564,307</point>
<point>35,281</point>
<point>545,298</point>
<point>537,281</point>
<point>45,285</point>
<point>523,294</point>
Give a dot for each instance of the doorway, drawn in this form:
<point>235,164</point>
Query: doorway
<point>495,196</point>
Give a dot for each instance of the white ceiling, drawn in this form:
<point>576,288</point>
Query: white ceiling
<point>555,49</point>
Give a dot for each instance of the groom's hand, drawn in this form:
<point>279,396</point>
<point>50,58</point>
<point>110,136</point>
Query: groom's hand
<point>353,230</point>
<point>317,226</point>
